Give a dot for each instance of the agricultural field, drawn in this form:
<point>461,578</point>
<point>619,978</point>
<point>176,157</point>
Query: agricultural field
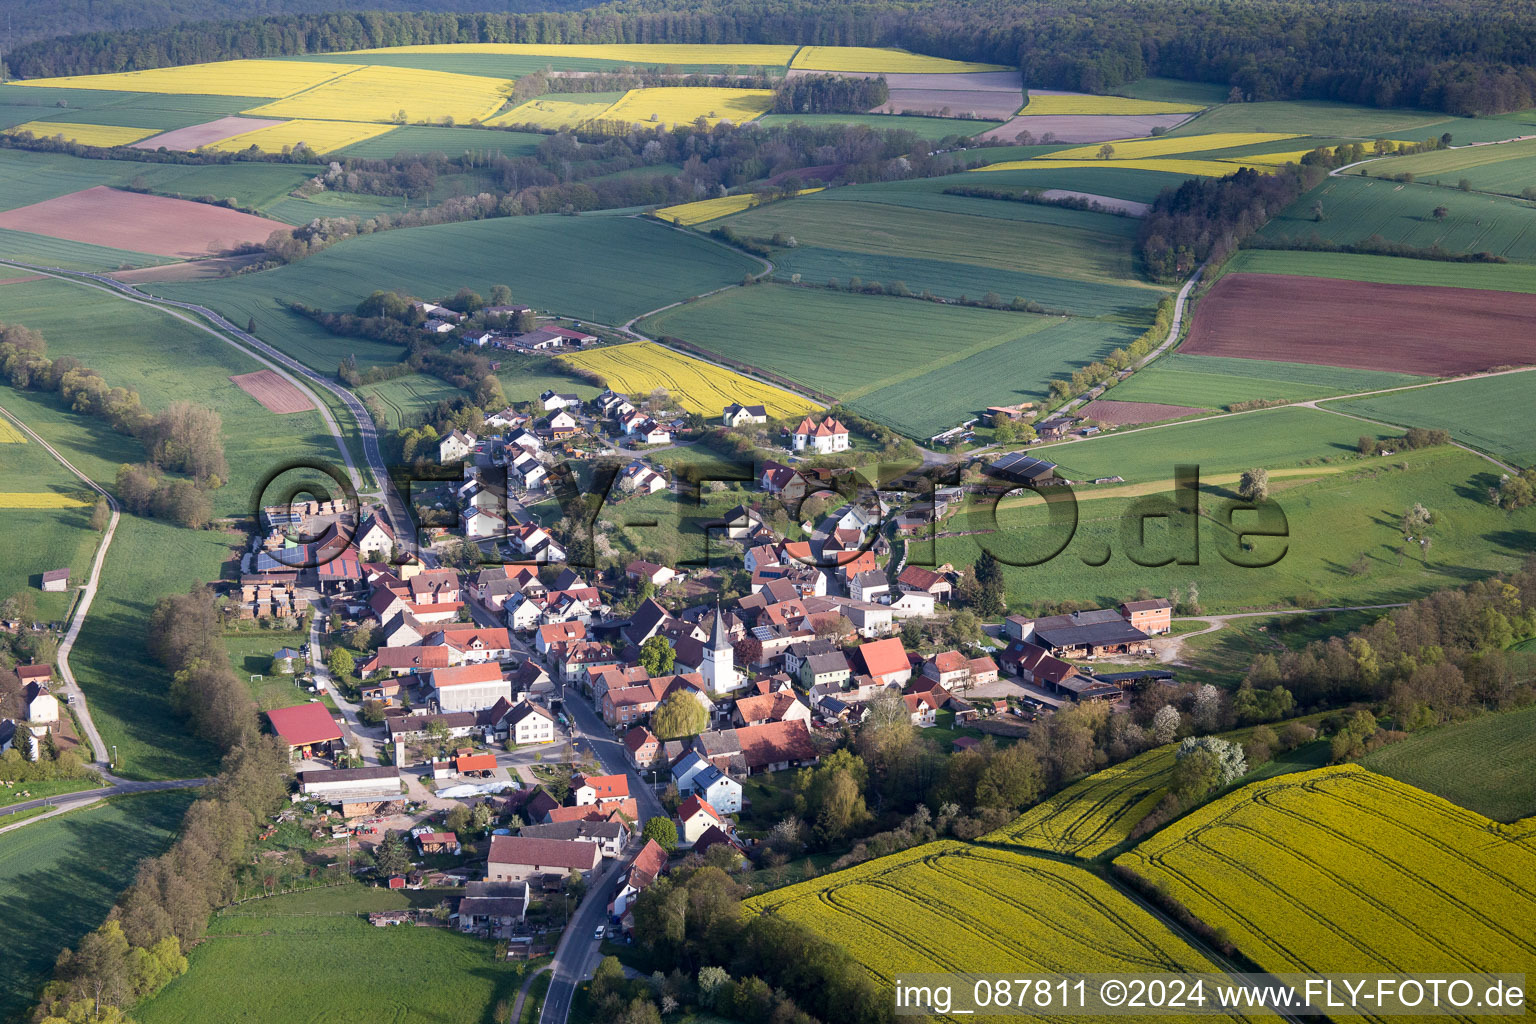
<point>449,141</point>
<point>52,531</point>
<point>1170,145</point>
<point>70,255</point>
<point>59,877</point>
<point>877,60</point>
<point>950,907</point>
<point>606,269</point>
<point>1343,543</point>
<point>165,359</point>
<point>320,136</point>
<point>1094,814</point>
<point>1489,413</point>
<point>1320,117</point>
<point>640,367</point>
<point>557,110</point>
<point>140,223</point>
<point>1118,413</point>
<point>314,942</point>
<point>932,128</point>
<point>669,105</point>
<point>1215,382</point>
<point>743,55</point>
<point>1502,277</point>
<point>1173,90</point>
<point>1341,869</point>
<point>1506,169</point>
<point>1355,208</point>
<point>1114,179</point>
<point>891,351</point>
<point>373,93</point>
<point>1040,103</point>
<point>410,398</point>
<point>1183,167</point>
<point>689,214</point>
<point>219,78</point>
<point>85,134</point>
<point>1483,764</point>
<point>1074,128</point>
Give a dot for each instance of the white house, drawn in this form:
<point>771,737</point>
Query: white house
<point>529,471</point>
<point>456,447</point>
<point>718,789</point>
<point>695,816</point>
<point>482,525</point>
<point>375,540</point>
<point>529,723</point>
<point>912,604</point>
<point>824,438</point>
<point>736,414</point>
<point>652,432</point>
<point>551,401</point>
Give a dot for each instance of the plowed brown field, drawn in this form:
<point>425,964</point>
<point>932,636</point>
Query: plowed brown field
<point>141,223</point>
<point>1119,414</point>
<point>1365,326</point>
<point>271,390</point>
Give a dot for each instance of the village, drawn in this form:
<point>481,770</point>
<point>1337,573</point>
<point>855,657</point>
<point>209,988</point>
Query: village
<point>544,740</point>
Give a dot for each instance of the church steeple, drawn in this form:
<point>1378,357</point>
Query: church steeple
<point>719,662</point>
<point>719,638</point>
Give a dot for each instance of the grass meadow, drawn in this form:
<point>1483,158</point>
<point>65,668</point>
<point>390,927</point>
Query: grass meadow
<point>882,354</point>
<point>1344,544</point>
<point>1356,208</point>
<point>1490,413</point>
<point>164,359</point>
<point>59,877</point>
<point>932,128</point>
<point>1217,381</point>
<point>315,943</point>
<point>43,538</point>
<point>251,655</point>
<point>1507,169</point>
<point>1484,764</point>
<point>450,141</point>
<point>1503,277</point>
<point>607,269</point>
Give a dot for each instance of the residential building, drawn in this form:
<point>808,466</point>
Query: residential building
<point>456,447</point>
<point>694,815</point>
<point>824,438</point>
<point>516,859</point>
<point>1151,617</point>
<point>469,687</point>
<point>527,722</point>
<point>736,415</point>
<point>885,661</point>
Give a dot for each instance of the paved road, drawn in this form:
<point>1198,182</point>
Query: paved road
<point>354,732</point>
<point>282,363</point>
<point>578,952</point>
<point>85,797</point>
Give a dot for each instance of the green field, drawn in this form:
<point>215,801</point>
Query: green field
<point>1491,413</point>
<point>1343,521</point>
<point>934,128</point>
<point>314,942</point>
<point>1508,169</point>
<point>1214,382</point>
<point>164,359</point>
<point>41,539</point>
<point>603,268</point>
<point>498,65</point>
<point>1356,208</point>
<point>47,251</point>
<point>891,351</point>
<point>1502,277</point>
<point>251,655</point>
<point>1173,90</point>
<point>1223,657</point>
<point>1485,764</point>
<point>449,141</point>
<point>19,104</point>
<point>1320,117</point>
<point>59,877</point>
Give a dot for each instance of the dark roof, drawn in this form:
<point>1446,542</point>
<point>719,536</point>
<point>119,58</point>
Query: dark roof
<point>573,830</point>
<point>831,661</point>
<point>349,774</point>
<point>418,723</point>
<point>1095,634</point>
<point>544,853</point>
<point>1152,605</point>
<point>1019,466</point>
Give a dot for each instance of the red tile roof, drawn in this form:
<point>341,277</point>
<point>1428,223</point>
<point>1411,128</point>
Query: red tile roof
<point>476,763</point>
<point>638,737</point>
<point>919,578</point>
<point>651,858</point>
<point>607,787</point>
<point>693,805</point>
<point>777,741</point>
<point>882,657</point>
<point>304,724</point>
<point>466,675</point>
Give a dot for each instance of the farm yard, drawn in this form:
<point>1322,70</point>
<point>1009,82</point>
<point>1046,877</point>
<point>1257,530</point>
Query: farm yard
<point>640,367</point>
<point>1489,413</point>
<point>141,223</point>
<point>59,877</point>
<point>1094,814</point>
<point>1341,869</point>
<point>314,942</point>
<point>1390,327</point>
<point>895,360</point>
<point>1482,764</point>
<point>947,906</point>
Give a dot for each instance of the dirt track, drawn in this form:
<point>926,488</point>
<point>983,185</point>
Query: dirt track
<point>1364,326</point>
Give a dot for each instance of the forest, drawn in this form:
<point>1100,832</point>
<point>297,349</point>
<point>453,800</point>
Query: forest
<point>1439,54</point>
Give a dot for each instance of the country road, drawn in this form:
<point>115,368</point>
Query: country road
<point>67,802</point>
<point>280,362</point>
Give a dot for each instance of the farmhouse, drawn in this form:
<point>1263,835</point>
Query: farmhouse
<point>1084,634</point>
<point>492,908</point>
<point>609,836</point>
<point>925,581</point>
<point>885,661</point>
<point>1036,665</point>
<point>528,723</point>
<point>516,859</point>
<point>307,729</point>
<point>1151,617</point>
<point>456,447</point>
<point>736,415</point>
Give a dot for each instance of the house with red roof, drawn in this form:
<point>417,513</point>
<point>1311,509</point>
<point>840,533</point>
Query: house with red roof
<point>926,581</point>
<point>307,729</point>
<point>885,661</point>
<point>824,438</point>
<point>599,789</point>
<point>642,746</point>
<point>694,815</point>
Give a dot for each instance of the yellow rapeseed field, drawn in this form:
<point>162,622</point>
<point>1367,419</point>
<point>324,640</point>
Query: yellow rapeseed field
<point>221,78</point>
<point>1137,149</point>
<point>1341,869</point>
<point>85,134</point>
<point>641,367</point>
<point>9,434</point>
<point>550,112</point>
<point>377,93</point>
<point>1085,104</point>
<point>741,54</point>
<point>881,60</point>
<point>320,136</point>
<point>43,499</point>
<point>684,105</point>
<point>689,214</point>
<point>1196,168</point>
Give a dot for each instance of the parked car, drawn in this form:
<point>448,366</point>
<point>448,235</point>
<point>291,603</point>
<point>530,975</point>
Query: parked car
<point>600,930</point>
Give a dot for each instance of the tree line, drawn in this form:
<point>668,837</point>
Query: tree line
<point>182,438</point>
<point>829,94</point>
<point>1439,54</point>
